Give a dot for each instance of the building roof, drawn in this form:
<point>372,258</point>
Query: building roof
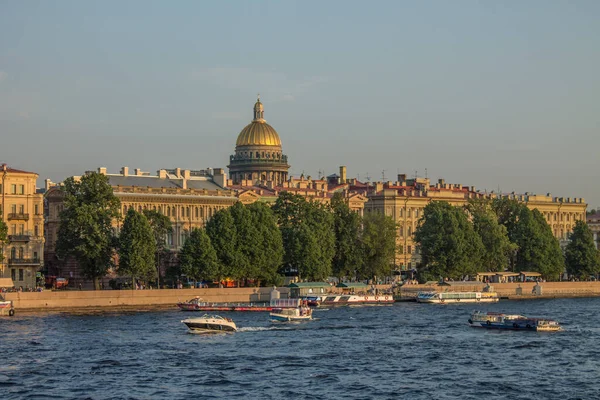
<point>6,168</point>
<point>157,182</point>
<point>308,284</point>
<point>258,132</point>
<point>353,285</point>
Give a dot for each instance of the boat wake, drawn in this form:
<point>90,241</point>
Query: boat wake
<point>263,328</point>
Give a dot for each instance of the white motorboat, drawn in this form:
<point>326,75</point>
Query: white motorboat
<point>457,297</point>
<point>210,324</point>
<point>354,299</point>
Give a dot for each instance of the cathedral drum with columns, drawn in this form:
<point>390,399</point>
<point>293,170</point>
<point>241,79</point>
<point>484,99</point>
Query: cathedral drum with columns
<point>258,155</point>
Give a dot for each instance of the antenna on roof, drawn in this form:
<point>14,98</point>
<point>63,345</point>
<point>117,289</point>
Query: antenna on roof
<point>425,173</point>
<point>383,175</point>
<point>321,173</point>
<point>416,174</point>
<point>368,178</point>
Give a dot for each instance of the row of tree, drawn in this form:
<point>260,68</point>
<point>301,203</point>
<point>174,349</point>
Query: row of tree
<point>255,242</point>
<point>495,235</point>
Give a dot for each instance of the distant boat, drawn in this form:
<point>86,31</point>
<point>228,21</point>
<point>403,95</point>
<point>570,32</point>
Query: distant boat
<point>300,313</point>
<point>515,322</point>
<point>210,324</point>
<point>354,299</point>
<point>457,297</point>
<point>6,308</point>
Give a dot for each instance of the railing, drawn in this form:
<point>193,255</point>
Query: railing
<point>19,238</point>
<point>18,216</point>
<point>23,261</point>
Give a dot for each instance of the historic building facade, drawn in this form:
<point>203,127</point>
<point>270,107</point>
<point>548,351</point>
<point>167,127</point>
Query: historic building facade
<point>189,198</point>
<point>593,221</point>
<point>405,200</point>
<point>258,154</point>
<point>22,210</point>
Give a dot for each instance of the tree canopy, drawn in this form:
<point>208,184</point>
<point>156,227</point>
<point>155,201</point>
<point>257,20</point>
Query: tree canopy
<point>198,257</point>
<point>3,238</point>
<point>449,245</point>
<point>137,248</point>
<point>581,256</point>
<point>378,246</point>
<point>85,230</point>
<point>347,258</point>
<point>307,229</point>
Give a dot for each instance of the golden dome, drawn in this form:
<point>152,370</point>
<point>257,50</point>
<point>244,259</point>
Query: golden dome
<point>258,133</point>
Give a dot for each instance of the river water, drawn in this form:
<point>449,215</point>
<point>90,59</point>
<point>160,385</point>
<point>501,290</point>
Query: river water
<point>406,350</point>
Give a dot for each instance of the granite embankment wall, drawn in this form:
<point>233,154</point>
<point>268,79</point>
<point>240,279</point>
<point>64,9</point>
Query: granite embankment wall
<point>511,290</point>
<point>75,299</point>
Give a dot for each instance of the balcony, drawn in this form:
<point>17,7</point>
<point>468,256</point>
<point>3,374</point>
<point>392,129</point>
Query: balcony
<point>18,216</point>
<point>19,238</point>
<point>23,261</point>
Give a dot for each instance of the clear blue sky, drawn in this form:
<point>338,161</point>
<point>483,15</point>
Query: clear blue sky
<point>487,93</point>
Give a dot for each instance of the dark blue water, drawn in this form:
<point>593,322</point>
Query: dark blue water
<point>407,350</point>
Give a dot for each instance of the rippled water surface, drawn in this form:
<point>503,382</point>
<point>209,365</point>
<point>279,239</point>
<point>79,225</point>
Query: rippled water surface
<point>407,350</point>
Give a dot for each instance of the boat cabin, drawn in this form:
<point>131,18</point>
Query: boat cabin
<point>303,289</point>
<point>353,287</point>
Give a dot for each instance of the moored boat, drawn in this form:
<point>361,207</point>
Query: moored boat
<point>352,299</point>
<point>457,297</point>
<point>197,304</point>
<point>515,322</point>
<point>210,324</point>
<point>6,308</point>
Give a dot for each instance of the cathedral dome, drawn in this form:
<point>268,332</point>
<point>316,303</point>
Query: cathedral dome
<point>258,132</point>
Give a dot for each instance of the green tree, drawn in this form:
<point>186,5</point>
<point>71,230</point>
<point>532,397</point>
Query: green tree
<point>539,250</point>
<point>448,243</point>
<point>161,226</point>
<point>581,256</point>
<point>246,243</point>
<point>223,235</point>
<point>498,249</point>
<point>307,229</point>
<point>137,248</point>
<point>347,226</point>
<point>378,245</point>
<point>268,255</point>
<point>85,230</point>
<point>198,257</point>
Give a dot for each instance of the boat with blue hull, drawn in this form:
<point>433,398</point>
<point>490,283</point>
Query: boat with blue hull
<point>513,322</point>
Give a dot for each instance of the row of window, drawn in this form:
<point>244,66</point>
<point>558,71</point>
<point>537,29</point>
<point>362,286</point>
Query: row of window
<point>15,189</point>
<point>20,230</point>
<point>13,274</point>
<point>184,212</point>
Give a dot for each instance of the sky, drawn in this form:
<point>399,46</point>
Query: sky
<point>500,95</point>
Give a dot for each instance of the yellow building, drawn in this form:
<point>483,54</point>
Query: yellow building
<point>189,198</point>
<point>405,199</point>
<point>22,210</point>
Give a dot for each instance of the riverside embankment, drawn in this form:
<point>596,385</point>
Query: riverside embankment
<point>106,299</point>
<point>513,291</point>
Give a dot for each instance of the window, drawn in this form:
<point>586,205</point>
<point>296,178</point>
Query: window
<point>13,229</point>
<point>13,274</point>
<point>20,274</point>
<point>409,249</point>
<point>13,208</point>
<point>36,231</point>
<point>36,209</point>
<point>21,229</point>
<point>13,253</point>
<point>21,252</point>
<point>21,209</point>
<point>21,189</point>
<point>13,189</point>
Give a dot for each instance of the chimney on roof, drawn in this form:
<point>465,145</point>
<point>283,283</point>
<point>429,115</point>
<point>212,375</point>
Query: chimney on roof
<point>220,177</point>
<point>138,172</point>
<point>401,178</point>
<point>186,174</point>
<point>162,174</point>
<point>102,170</point>
<point>178,172</point>
<point>442,182</point>
<point>342,174</point>
<point>125,171</point>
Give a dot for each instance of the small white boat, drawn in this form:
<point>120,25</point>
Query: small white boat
<point>210,324</point>
<point>300,313</point>
<point>457,297</point>
<point>6,308</point>
<point>354,299</point>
